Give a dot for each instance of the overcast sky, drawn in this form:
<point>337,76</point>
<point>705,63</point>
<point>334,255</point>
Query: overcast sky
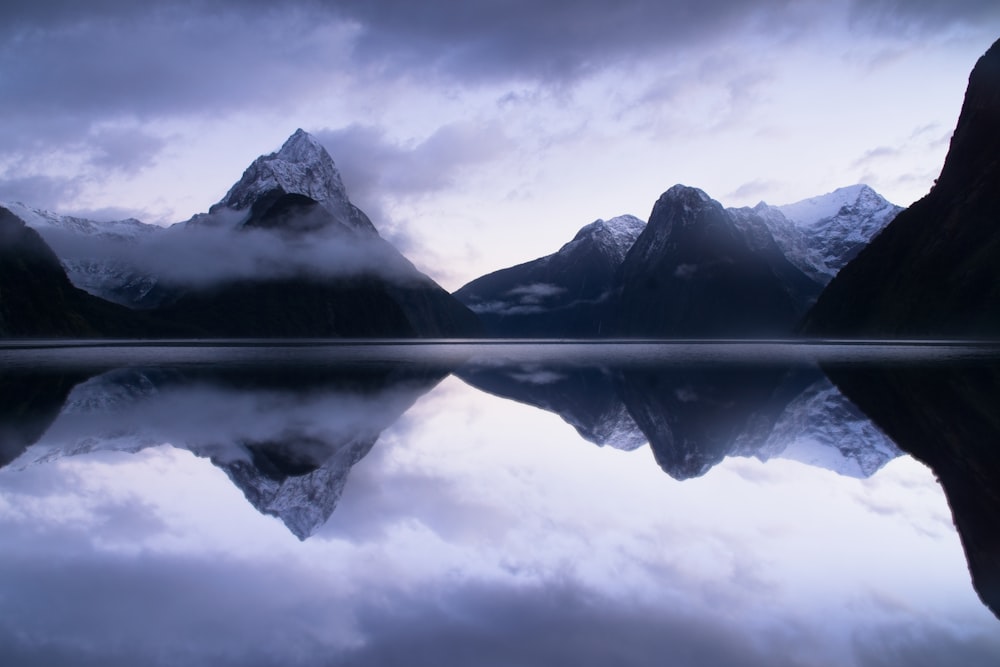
<point>481,134</point>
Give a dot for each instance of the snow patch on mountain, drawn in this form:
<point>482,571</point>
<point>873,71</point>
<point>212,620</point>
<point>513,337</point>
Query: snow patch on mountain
<point>614,236</point>
<point>822,234</point>
<point>97,255</point>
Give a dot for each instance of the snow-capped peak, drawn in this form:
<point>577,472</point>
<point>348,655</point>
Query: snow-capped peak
<point>615,235</point>
<point>301,166</point>
<point>47,223</point>
<point>821,234</point>
<point>811,211</point>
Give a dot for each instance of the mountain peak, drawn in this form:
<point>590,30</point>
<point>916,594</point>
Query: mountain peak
<point>301,166</point>
<point>857,199</point>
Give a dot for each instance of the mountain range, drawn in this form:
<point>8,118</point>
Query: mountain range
<point>286,254</point>
<point>697,269</point>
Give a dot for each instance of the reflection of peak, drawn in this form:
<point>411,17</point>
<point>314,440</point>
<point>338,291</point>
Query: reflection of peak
<point>824,429</point>
<point>288,481</point>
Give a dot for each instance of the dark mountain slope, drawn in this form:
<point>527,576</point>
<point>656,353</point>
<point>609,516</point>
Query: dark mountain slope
<point>38,300</point>
<point>935,270</point>
<point>694,272</point>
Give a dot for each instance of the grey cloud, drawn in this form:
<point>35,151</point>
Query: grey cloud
<point>39,189</point>
<point>756,188</point>
<point>372,163</point>
<point>126,149</point>
<point>546,41</point>
<point>925,15</point>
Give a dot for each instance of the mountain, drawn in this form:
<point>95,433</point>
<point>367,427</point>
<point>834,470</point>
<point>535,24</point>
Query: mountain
<point>820,235</point>
<point>697,270</point>
<point>300,167</point>
<point>37,298</point>
<point>283,254</point>
<point>935,269</point>
<point>565,294</point>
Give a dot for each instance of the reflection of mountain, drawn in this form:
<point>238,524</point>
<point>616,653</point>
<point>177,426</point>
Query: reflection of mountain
<point>586,398</point>
<point>693,417</point>
<point>287,438</point>
<point>947,417</point>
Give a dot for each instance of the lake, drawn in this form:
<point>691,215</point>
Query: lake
<point>494,503</point>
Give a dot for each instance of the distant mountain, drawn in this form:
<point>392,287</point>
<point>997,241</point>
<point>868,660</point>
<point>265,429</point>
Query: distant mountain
<point>37,298</point>
<point>566,294</point>
<point>97,256</point>
<point>935,270</point>
<point>820,235</point>
<point>698,270</point>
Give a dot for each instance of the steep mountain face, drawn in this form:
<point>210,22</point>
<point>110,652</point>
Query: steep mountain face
<point>567,293</point>
<point>697,271</point>
<point>934,271</point>
<point>300,167</point>
<point>37,298</point>
<point>820,235</point>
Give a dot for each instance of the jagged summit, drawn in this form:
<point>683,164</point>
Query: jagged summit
<point>301,166</point>
<point>853,199</point>
<point>615,236</point>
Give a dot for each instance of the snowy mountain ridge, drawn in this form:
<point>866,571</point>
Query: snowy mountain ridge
<point>820,235</point>
<point>615,236</point>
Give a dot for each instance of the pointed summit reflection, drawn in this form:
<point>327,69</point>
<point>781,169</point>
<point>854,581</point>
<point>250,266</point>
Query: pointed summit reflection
<point>287,438</point>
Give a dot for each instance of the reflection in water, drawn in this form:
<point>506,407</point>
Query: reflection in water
<point>949,418</point>
<point>694,416</point>
<point>476,528</point>
<point>286,438</point>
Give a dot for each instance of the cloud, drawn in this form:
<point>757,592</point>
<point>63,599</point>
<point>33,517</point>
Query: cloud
<point>924,15</point>
<point>373,164</point>
<point>201,255</point>
<point>553,41</point>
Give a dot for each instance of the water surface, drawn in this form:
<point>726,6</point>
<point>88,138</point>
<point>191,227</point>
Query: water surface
<point>315,503</point>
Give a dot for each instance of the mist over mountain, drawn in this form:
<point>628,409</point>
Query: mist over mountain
<point>284,253</point>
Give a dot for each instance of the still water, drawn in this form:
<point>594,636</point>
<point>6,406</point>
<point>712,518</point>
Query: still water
<point>472,504</point>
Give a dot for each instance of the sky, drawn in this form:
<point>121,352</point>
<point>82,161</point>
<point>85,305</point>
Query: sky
<point>484,134</point>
